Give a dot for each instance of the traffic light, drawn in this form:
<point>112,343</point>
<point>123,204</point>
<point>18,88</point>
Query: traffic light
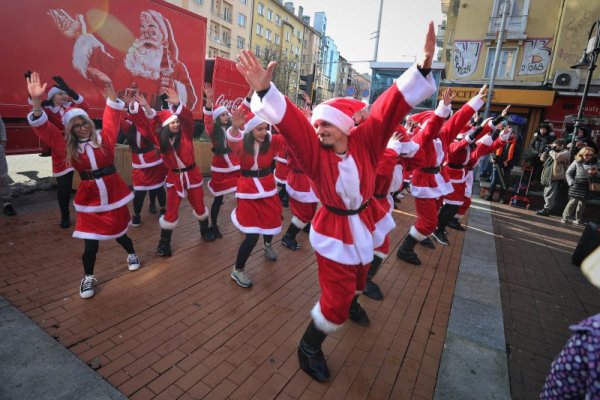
<point>306,84</point>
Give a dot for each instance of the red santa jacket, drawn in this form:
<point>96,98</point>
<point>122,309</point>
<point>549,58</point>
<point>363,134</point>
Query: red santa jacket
<point>346,182</point>
<point>144,146</point>
<point>94,195</point>
<point>281,164</point>
<point>298,184</point>
<point>223,159</point>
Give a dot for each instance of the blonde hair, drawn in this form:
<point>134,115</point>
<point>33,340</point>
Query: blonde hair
<point>72,142</point>
<point>581,153</point>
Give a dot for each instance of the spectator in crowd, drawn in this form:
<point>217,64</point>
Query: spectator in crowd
<point>539,143</point>
<point>581,173</point>
<point>556,161</point>
<point>7,207</point>
<point>503,160</point>
<point>582,139</point>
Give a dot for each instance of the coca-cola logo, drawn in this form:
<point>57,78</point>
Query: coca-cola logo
<point>229,103</point>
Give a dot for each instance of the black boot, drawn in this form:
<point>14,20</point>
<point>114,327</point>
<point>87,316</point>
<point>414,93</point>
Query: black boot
<point>289,239</point>
<point>164,244</point>
<point>446,213</point>
<point>454,223</point>
<point>406,251</point>
<point>307,228</point>
<point>216,231</point>
<point>372,290</point>
<point>311,358</point>
<point>208,235</point>
<point>427,243</point>
<point>357,313</point>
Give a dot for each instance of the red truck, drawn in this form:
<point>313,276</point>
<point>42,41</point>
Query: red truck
<point>141,44</point>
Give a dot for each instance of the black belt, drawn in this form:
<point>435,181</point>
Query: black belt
<point>250,173</point>
<point>97,173</point>
<point>180,170</point>
<point>340,211</point>
<point>380,196</point>
<point>431,170</point>
<point>456,166</point>
<point>142,150</point>
<point>221,150</point>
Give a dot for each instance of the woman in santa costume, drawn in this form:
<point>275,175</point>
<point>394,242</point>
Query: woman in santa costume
<point>148,170</point>
<point>225,166</point>
<point>102,197</point>
<point>340,160</point>
<point>258,210</point>
<point>431,183</point>
<point>184,179</point>
<point>60,99</point>
<point>281,173</point>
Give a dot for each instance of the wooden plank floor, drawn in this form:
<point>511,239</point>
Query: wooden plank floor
<point>181,328</point>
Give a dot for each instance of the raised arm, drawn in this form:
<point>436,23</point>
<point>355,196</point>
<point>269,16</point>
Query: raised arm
<point>38,119</point>
<point>234,134</point>
<point>456,123</point>
<point>185,115</point>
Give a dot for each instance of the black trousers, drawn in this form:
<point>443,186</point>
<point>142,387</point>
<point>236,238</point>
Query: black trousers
<point>63,193</point>
<point>90,249</point>
<point>247,246</point>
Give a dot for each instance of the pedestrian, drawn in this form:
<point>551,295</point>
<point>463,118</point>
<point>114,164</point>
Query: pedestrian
<point>258,210</point>
<point>184,180</point>
<point>581,173</point>
<point>5,196</point>
<point>148,170</point>
<point>341,160</point>
<point>556,161</point>
<point>503,160</point>
<point>225,166</point>
<point>102,197</point>
<point>541,139</point>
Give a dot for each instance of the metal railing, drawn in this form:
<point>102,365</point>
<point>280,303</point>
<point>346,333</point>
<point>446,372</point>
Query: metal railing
<point>515,24</point>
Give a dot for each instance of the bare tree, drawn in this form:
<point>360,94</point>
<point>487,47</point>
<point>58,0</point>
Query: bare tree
<point>286,75</point>
<point>360,85</point>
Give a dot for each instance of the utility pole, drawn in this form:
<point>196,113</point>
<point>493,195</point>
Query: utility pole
<point>378,32</point>
<point>501,32</point>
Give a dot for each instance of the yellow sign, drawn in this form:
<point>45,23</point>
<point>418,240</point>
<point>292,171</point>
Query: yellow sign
<point>516,97</point>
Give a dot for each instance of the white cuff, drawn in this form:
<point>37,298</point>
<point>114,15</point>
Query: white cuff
<point>234,138</point>
<point>443,110</point>
<point>35,123</point>
<point>271,107</point>
<point>486,140</point>
<point>476,103</point>
<point>207,112</point>
<point>117,105</point>
<point>79,100</point>
<point>178,111</point>
<point>414,86</point>
<point>150,114</point>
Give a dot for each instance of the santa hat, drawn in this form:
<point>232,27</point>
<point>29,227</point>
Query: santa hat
<point>252,121</point>
<point>53,90</point>
<point>166,117</point>
<point>72,113</point>
<point>338,112</point>
<point>220,110</point>
<point>165,28</point>
<point>421,117</point>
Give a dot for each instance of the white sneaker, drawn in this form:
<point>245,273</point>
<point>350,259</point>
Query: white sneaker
<point>133,262</point>
<point>86,289</point>
<point>240,277</point>
<point>270,252</point>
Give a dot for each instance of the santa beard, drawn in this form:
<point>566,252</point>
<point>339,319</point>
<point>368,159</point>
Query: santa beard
<point>144,61</point>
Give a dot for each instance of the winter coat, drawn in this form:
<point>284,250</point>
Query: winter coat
<point>555,166</point>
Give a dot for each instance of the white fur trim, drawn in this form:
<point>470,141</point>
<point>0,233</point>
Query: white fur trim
<point>72,113</point>
<point>271,107</point>
<point>222,192</point>
<point>79,100</point>
<point>443,110</point>
<point>302,197</point>
<point>201,217</point>
<point>259,195</point>
<point>36,123</point>
<point>423,192</point>
<point>224,170</point>
<point>82,51</point>
<point>253,123</point>
<point>298,223</point>
<point>134,107</point>
<point>416,234</point>
<point>220,110</point>
<point>279,180</point>
<point>182,93</point>
<point>178,110</point>
<point>281,160</point>
<point>53,90</point>
<point>150,187</point>
<point>325,112</point>
<point>63,172</point>
<point>147,165</point>
<point>169,120</point>
<point>206,112</point>
<point>96,236</point>
<point>414,86</point>
<point>253,229</point>
<point>382,227</point>
<point>486,140</point>
<point>321,322</point>
<point>336,250</point>
<point>164,224</point>
<point>103,207</point>
<point>476,103</point>
<point>118,105</point>
<point>232,138</point>
<point>467,136</point>
<point>453,202</point>
<point>150,114</point>
<point>381,255</point>
<point>505,136</point>
<point>405,149</point>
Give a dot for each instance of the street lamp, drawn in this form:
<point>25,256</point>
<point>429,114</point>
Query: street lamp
<point>588,61</point>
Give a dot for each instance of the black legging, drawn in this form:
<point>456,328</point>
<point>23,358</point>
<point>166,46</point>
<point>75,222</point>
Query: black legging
<point>215,208</point>
<point>90,248</point>
<point>140,195</point>
<point>63,193</point>
<point>247,246</point>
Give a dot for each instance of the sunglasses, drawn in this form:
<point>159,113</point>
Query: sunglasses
<point>81,125</point>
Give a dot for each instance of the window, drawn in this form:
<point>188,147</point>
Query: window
<point>227,12</point>
<point>268,34</point>
<point>287,36</point>
<point>285,51</point>
<point>244,1</point>
<point>212,52</point>
<point>257,51</point>
<point>277,39</point>
<point>259,29</point>
<point>226,35</point>
<point>242,20</point>
<point>261,9</point>
<point>199,1</point>
<point>277,19</point>
<point>506,67</point>
<point>241,42</point>
<point>269,14</point>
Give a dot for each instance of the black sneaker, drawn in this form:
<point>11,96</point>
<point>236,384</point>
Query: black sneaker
<point>543,212</point>
<point>455,224</point>
<point>290,242</point>
<point>441,238</point>
<point>9,210</point>
<point>217,232</point>
<point>373,291</point>
<point>427,243</point>
<point>162,211</point>
<point>152,208</point>
<point>358,315</point>
<point>65,223</point>
<point>136,220</point>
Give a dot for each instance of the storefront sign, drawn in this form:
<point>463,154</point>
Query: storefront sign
<point>516,97</point>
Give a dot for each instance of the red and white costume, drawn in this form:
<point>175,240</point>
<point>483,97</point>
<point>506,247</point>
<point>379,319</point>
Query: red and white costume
<point>148,169</point>
<point>282,168</point>
<point>225,165</point>
<point>101,204</point>
<point>258,207</point>
<point>303,200</point>
<point>344,184</point>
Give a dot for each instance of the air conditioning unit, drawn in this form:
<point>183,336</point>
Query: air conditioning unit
<point>566,80</point>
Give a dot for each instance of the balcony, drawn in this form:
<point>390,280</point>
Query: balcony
<point>515,27</point>
<point>219,40</point>
<point>439,37</point>
<point>223,16</point>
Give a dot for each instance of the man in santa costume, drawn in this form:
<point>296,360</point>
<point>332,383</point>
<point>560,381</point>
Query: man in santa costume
<point>430,183</point>
<point>152,61</point>
<point>341,161</point>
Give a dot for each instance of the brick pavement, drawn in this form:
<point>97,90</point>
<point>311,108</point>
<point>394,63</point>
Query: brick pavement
<point>542,292</point>
<point>180,328</point>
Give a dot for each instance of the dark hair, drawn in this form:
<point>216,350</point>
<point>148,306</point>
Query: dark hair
<point>249,143</point>
<point>165,135</point>
<point>561,142</point>
<point>218,133</point>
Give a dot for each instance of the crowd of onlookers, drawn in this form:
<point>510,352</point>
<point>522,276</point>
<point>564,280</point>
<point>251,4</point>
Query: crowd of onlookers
<point>557,164</point>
